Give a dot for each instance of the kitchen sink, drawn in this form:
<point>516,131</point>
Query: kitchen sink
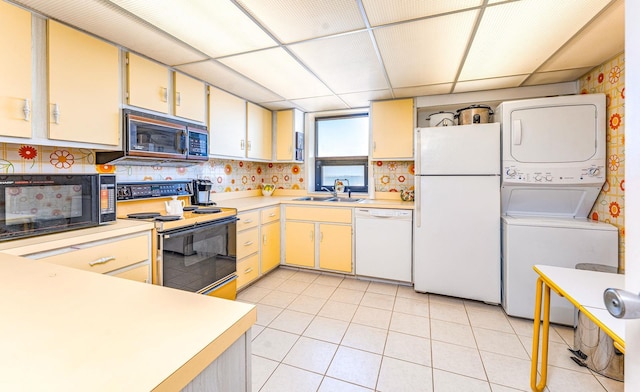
<point>330,199</point>
<point>344,199</point>
<point>314,198</point>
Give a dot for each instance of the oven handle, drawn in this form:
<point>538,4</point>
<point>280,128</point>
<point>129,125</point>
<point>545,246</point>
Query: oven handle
<point>216,286</point>
<point>191,229</point>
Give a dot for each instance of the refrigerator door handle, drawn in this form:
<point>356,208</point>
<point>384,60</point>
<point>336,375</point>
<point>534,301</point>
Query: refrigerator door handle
<point>418,170</point>
<point>418,219</point>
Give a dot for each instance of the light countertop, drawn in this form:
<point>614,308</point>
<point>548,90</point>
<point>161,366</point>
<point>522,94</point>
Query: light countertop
<point>254,202</point>
<point>64,329</point>
<point>69,238</point>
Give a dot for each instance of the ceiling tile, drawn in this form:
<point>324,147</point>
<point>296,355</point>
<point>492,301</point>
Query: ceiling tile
<point>276,70</point>
<point>320,104</point>
<point>602,39</point>
<point>99,18</point>
<point>516,38</point>
<point>556,76</point>
<point>381,12</point>
<point>221,76</point>
<point>489,84</point>
<point>215,27</point>
<point>295,20</point>
<point>435,89</point>
<point>346,63</point>
<point>363,99</point>
<point>278,105</point>
<point>419,53</point>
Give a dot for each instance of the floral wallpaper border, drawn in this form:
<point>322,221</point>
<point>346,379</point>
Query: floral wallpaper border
<point>608,78</point>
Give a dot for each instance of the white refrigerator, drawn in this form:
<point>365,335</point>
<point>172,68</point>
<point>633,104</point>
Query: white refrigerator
<point>457,212</point>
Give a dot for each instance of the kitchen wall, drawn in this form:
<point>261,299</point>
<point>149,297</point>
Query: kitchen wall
<point>608,78</point>
<point>227,175</point>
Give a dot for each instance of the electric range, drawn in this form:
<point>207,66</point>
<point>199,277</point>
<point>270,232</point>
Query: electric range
<point>193,252</point>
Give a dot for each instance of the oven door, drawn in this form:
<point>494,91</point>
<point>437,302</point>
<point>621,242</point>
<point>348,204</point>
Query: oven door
<point>199,259</point>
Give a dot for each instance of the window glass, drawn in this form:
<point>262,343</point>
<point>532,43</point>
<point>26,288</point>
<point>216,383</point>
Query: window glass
<point>342,136</point>
<point>342,148</point>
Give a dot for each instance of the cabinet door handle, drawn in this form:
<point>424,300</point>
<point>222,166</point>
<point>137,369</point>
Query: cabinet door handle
<point>26,109</point>
<point>248,270</point>
<point>271,215</point>
<point>164,94</point>
<point>178,98</point>
<point>242,144</point>
<point>248,221</point>
<point>264,239</point>
<point>248,243</point>
<point>102,260</point>
<point>374,146</point>
<point>321,236</point>
<point>248,145</point>
<point>56,113</point>
<point>311,235</point>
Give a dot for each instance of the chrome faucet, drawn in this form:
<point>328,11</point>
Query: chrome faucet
<point>333,192</point>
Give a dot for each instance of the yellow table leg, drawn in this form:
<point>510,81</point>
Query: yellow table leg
<point>536,385</point>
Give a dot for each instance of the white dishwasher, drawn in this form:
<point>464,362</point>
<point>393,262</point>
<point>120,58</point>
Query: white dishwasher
<point>384,247</point>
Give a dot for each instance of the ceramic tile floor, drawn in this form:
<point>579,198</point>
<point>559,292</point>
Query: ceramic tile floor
<point>329,333</point>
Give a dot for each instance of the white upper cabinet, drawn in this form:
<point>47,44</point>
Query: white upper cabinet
<point>84,87</point>
<point>16,103</point>
<point>289,126</point>
<point>189,97</point>
<point>392,128</point>
<point>227,124</point>
<point>147,84</point>
<point>259,132</point>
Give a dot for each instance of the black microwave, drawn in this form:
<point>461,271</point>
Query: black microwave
<point>157,140</point>
<point>32,205</point>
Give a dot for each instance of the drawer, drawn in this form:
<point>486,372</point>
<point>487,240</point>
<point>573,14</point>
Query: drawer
<point>270,215</point>
<point>318,214</point>
<point>248,220</point>
<point>247,270</point>
<point>106,256</point>
<point>247,242</point>
<point>139,274</point>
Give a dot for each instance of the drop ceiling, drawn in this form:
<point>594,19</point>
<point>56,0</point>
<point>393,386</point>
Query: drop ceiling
<point>319,55</point>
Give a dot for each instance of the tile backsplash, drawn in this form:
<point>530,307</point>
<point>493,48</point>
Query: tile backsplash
<point>227,175</point>
<point>608,78</point>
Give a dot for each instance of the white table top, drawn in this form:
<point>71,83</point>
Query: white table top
<point>64,329</point>
<point>585,288</point>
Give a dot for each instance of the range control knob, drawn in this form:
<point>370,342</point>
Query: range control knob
<point>538,177</point>
<point>594,171</point>
<point>511,172</point>
<point>548,178</point>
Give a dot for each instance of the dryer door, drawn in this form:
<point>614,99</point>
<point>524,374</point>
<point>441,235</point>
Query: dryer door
<point>552,134</point>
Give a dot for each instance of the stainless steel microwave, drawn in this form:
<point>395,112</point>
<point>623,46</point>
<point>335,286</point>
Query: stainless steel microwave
<point>32,205</point>
<point>158,141</point>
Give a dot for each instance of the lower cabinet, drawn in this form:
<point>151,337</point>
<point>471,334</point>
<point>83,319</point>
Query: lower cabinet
<point>257,243</point>
<point>300,240</point>
<point>124,256</point>
<point>319,237</point>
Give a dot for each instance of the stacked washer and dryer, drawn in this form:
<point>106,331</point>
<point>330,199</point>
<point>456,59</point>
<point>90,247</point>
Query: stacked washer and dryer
<point>553,168</point>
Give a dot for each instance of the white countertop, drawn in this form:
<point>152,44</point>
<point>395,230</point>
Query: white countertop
<point>65,329</point>
<point>250,203</point>
<point>586,288</point>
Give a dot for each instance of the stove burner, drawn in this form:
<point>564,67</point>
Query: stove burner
<point>207,211</point>
<point>189,208</point>
<point>143,215</point>
<point>167,218</point>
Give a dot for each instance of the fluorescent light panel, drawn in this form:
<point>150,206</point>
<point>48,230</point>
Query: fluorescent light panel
<point>215,27</point>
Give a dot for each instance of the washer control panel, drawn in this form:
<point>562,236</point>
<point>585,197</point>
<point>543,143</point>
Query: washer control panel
<point>556,176</point>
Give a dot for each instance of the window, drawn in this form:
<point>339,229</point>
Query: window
<point>342,148</point>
